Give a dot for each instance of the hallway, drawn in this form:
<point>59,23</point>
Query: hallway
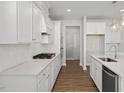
<point>73,79</point>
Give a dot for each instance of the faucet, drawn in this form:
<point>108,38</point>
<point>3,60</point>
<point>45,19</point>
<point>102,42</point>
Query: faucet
<point>115,56</point>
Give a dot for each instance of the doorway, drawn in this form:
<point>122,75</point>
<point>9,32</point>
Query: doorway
<point>72,42</point>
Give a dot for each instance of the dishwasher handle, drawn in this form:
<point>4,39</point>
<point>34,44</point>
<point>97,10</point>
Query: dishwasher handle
<point>109,73</point>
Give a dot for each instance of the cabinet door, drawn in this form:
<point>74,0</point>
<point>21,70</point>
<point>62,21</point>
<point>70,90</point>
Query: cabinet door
<point>92,69</point>
<point>43,82</point>
<point>98,75</point>
<point>48,78</point>
<point>51,76</point>
<point>8,22</point>
<point>42,85</point>
<point>95,27</point>
<point>24,21</point>
<point>37,24</point>
<point>99,79</point>
<point>55,68</point>
<point>101,27</point>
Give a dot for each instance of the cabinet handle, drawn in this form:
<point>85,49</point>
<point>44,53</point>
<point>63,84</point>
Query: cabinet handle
<point>109,73</point>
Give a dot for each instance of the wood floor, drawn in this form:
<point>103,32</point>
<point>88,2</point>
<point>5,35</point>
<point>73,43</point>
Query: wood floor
<point>73,79</point>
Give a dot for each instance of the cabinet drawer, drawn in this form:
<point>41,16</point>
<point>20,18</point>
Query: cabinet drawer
<point>45,73</point>
<point>41,75</point>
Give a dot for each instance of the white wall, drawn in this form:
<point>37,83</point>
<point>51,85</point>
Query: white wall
<point>95,45</point>
<point>11,55</point>
<point>121,46</point>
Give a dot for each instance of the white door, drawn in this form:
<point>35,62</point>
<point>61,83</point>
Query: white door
<point>72,42</point>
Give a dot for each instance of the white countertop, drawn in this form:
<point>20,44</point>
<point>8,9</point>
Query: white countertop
<point>32,67</point>
<point>117,67</point>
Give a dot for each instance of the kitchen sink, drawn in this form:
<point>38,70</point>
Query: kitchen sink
<point>107,59</point>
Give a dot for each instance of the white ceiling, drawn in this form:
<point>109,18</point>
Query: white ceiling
<point>93,9</point>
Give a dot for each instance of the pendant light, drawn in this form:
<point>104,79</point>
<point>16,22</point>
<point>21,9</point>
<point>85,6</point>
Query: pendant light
<point>122,18</point>
<point>114,25</point>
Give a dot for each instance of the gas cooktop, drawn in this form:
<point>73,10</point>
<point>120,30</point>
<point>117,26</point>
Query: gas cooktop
<point>44,56</point>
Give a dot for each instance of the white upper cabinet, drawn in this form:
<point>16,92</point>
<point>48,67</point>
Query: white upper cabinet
<point>15,22</point>
<point>43,6</point>
<point>24,21</point>
<point>45,30</point>
<point>112,36</point>
<point>37,24</point>
<point>8,22</point>
<point>95,27</point>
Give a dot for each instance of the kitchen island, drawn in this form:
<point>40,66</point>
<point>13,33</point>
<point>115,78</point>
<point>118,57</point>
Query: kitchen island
<point>116,67</point>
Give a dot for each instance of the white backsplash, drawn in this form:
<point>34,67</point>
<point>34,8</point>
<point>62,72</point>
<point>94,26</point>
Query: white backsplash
<point>121,46</point>
<point>14,54</point>
<point>37,48</point>
<point>11,55</point>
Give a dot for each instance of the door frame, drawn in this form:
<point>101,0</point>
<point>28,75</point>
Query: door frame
<point>71,23</point>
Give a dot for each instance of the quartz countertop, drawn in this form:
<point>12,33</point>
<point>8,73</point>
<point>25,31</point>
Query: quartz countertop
<point>116,67</point>
<point>31,67</point>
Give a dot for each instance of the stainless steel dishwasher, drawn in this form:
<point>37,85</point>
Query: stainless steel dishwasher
<point>109,80</point>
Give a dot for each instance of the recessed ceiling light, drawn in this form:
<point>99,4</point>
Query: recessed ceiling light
<point>68,10</point>
<point>122,10</point>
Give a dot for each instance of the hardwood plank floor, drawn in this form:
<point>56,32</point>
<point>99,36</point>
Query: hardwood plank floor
<point>73,79</point>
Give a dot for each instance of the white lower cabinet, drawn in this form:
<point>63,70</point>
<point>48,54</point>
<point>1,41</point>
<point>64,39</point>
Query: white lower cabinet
<point>49,76</point>
<point>121,84</point>
<point>99,76</point>
<point>14,83</point>
<point>44,80</point>
<point>42,85</point>
<point>92,69</point>
<point>41,82</point>
<point>96,73</point>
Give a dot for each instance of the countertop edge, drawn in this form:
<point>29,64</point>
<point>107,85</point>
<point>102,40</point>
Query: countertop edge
<point>101,62</point>
<point>31,74</point>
